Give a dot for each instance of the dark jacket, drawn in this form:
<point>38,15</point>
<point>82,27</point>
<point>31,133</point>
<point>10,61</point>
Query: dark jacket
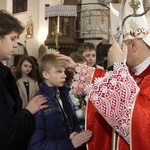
<point>15,123</point>
<point>52,132</point>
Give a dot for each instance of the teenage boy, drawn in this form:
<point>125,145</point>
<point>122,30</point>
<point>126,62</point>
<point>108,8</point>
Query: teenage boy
<point>56,126</point>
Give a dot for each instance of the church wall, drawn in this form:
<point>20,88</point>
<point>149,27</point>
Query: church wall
<point>37,14</point>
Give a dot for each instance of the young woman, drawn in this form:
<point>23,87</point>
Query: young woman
<point>26,78</point>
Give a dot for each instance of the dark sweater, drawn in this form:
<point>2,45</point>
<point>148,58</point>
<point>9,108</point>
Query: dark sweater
<point>16,123</point>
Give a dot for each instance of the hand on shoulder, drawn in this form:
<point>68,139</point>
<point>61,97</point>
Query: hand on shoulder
<point>36,103</point>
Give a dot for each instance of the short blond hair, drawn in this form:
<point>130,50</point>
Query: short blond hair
<point>48,61</point>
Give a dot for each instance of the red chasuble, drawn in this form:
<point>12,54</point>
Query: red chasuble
<point>140,120</point>
<point>141,113</point>
<point>102,131</point>
<point>116,98</point>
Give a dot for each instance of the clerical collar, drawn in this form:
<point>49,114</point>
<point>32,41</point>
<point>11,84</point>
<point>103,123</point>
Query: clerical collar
<point>141,67</point>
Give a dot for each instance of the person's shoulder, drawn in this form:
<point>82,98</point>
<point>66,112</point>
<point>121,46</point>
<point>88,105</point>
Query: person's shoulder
<point>145,84</point>
<point>4,70</point>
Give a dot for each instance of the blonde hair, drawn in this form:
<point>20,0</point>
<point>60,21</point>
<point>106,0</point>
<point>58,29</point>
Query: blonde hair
<point>48,61</point>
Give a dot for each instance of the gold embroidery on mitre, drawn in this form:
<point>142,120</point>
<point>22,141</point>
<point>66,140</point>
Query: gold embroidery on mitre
<point>140,33</point>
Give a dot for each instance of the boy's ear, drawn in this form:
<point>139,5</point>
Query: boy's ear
<point>45,74</point>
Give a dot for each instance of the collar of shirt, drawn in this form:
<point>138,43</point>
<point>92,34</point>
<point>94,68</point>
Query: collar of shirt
<point>141,67</point>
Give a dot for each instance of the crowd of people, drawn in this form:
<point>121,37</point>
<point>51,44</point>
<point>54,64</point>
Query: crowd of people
<point>24,100</point>
<point>61,102</point>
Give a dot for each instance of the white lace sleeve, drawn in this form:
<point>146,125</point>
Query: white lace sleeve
<point>113,96</point>
<point>82,77</point>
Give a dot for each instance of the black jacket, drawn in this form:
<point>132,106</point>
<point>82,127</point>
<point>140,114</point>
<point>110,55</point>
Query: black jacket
<point>15,123</point>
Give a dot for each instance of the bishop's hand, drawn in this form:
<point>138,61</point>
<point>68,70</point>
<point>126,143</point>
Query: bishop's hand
<point>116,54</point>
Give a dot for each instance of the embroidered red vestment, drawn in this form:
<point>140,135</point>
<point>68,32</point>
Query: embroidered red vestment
<point>101,130</point>
<point>135,128</point>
